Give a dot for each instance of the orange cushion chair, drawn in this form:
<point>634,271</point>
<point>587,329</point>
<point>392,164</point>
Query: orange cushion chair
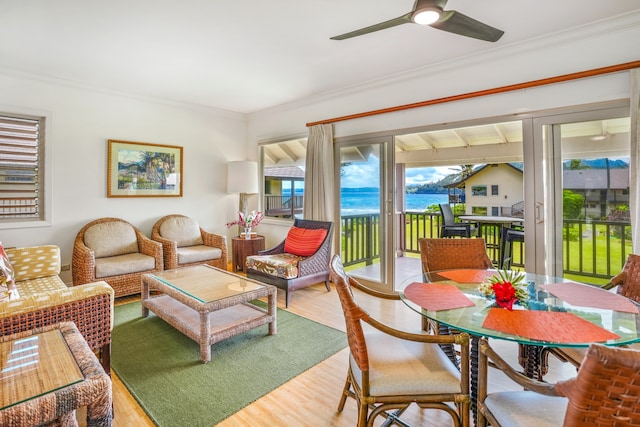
<point>301,260</point>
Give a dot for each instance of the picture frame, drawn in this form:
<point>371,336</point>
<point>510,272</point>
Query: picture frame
<point>141,169</point>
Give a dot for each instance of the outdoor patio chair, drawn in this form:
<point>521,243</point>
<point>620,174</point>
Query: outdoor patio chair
<point>301,260</point>
<point>185,243</point>
<point>451,228</point>
<point>508,236</point>
<point>390,369</point>
<point>606,392</point>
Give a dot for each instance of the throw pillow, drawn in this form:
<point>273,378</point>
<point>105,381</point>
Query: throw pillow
<point>304,241</point>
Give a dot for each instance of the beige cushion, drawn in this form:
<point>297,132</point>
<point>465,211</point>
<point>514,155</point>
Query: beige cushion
<point>527,408</point>
<point>124,264</point>
<point>182,230</point>
<point>40,285</point>
<point>401,367</point>
<point>111,238</point>
<point>198,253</point>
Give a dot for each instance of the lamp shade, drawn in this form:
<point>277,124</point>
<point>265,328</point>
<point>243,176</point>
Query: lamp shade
<point>242,177</point>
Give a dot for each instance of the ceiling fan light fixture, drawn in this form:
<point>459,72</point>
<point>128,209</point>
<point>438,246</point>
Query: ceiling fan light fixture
<point>426,16</point>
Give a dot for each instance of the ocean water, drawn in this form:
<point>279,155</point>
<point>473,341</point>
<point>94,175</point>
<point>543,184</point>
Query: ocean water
<point>365,200</point>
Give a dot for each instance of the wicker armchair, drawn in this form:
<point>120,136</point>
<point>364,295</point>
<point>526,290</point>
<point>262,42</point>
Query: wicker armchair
<point>115,251</point>
<point>46,300</point>
<point>289,271</point>
<point>390,369</point>
<point>185,243</point>
<point>606,392</point>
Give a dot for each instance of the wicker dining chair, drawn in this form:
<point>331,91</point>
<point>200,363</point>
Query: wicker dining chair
<point>628,283</point>
<point>447,254</point>
<point>606,392</point>
<point>390,369</point>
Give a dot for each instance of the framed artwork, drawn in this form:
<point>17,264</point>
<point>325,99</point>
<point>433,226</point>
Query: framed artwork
<point>139,169</point>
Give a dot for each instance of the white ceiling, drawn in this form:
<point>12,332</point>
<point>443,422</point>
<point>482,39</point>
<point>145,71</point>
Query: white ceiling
<point>250,55</point>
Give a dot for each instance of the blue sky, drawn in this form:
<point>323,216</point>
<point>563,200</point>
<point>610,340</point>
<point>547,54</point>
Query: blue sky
<point>363,174</point>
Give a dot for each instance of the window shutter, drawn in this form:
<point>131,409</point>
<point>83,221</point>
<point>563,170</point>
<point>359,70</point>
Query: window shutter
<point>20,171</point>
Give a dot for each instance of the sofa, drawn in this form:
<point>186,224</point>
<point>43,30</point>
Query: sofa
<point>44,299</point>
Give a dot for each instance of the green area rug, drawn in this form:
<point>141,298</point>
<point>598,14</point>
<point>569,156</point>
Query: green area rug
<point>162,368</point>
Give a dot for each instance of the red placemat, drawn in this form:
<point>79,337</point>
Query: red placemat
<point>591,296</point>
<point>436,297</point>
<point>551,326</point>
<point>467,276</point>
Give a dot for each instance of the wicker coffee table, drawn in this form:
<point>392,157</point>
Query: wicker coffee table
<point>208,304</point>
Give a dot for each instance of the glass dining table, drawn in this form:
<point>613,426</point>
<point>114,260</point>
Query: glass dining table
<point>558,313</point>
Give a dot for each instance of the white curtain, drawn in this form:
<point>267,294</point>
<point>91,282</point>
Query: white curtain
<point>634,181</point>
<point>318,176</point>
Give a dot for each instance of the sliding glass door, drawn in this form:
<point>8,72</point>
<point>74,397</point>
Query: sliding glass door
<point>366,210</point>
<point>582,209</point>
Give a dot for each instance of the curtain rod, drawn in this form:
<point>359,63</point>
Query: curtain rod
<point>484,92</point>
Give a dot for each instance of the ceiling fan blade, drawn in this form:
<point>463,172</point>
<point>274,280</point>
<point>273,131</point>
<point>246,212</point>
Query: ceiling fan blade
<point>457,23</point>
<point>404,19</point>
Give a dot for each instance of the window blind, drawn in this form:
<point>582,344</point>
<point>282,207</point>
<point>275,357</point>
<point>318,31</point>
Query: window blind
<point>20,168</point>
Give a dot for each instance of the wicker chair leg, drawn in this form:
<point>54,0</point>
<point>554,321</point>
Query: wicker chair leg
<point>327,285</point>
<point>346,392</point>
<point>105,358</point>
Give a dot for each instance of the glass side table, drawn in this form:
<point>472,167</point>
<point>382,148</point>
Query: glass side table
<point>49,372</point>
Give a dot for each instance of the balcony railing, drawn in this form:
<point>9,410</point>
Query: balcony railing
<point>283,206</point>
<point>592,249</point>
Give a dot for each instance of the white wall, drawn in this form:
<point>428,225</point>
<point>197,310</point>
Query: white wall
<point>599,45</point>
<point>509,182</point>
<point>82,120</point>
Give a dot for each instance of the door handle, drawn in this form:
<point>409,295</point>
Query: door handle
<point>539,212</point>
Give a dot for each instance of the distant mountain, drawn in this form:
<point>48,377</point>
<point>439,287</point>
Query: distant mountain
<point>596,164</point>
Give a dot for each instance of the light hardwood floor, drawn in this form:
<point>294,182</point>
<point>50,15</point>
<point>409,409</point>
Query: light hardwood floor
<point>311,398</point>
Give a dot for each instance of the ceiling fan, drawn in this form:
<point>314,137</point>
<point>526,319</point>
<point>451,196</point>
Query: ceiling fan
<point>432,13</point>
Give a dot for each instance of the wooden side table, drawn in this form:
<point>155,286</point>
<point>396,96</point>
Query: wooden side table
<point>241,248</point>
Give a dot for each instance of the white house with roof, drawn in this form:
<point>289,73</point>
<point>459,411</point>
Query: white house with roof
<point>493,189</point>
<point>496,189</point>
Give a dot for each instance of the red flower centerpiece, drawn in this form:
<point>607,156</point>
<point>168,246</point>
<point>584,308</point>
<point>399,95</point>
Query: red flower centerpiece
<point>507,287</point>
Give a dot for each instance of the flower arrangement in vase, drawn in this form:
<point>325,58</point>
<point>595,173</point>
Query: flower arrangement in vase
<point>507,287</point>
<point>247,221</point>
